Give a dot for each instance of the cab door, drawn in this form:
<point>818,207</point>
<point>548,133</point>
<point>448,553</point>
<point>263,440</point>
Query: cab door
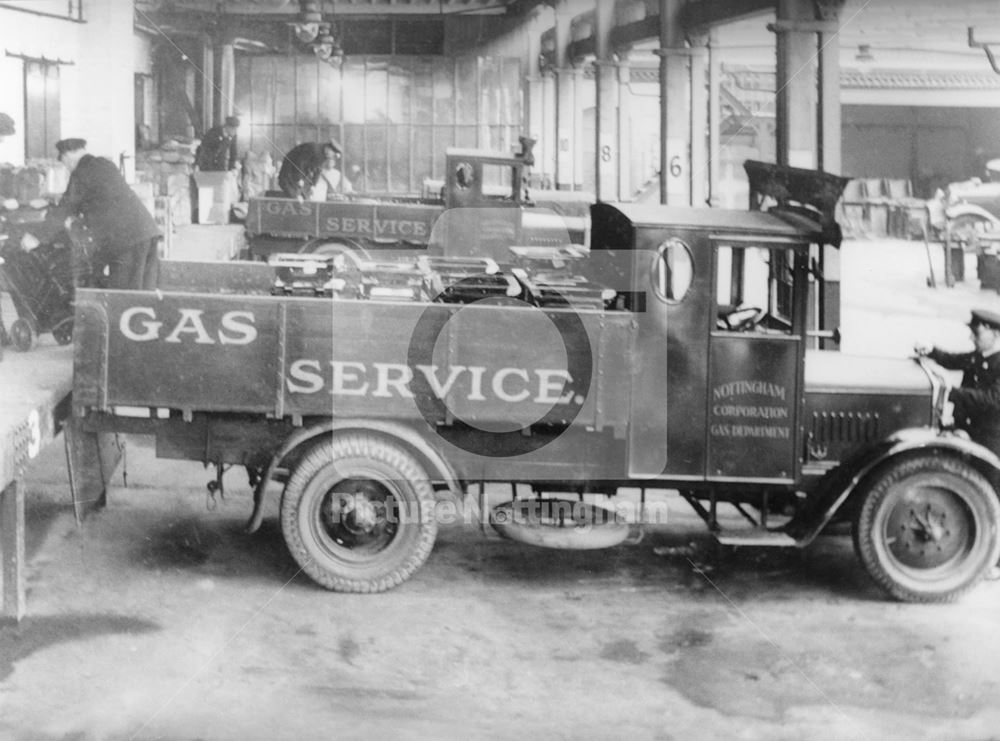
<point>756,366</point>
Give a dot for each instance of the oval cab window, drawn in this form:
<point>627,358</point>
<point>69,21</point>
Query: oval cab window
<point>673,271</point>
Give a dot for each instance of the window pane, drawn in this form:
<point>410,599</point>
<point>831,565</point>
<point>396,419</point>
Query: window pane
<point>400,159</point>
<point>466,98</point>
<point>284,91</point>
<point>422,95</point>
<point>355,154</point>
<point>306,85</point>
<point>375,158</point>
<point>354,91</point>
<point>444,92</point>
<point>376,92</point>
<point>423,156</point>
<point>400,82</point>
<point>329,94</point>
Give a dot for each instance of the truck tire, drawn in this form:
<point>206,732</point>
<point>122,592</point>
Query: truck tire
<point>357,514</point>
<point>23,334</point>
<point>927,528</point>
<point>559,523</point>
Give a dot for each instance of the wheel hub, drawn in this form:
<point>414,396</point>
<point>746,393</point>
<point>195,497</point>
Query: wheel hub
<point>358,513</point>
<point>355,514</point>
<point>928,529</point>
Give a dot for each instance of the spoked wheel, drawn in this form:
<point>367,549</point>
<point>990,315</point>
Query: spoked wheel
<point>23,335</point>
<point>63,331</point>
<point>927,529</point>
<point>357,514</point>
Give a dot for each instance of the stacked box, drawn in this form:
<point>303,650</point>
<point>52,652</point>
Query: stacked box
<point>169,167</point>
<point>216,242</point>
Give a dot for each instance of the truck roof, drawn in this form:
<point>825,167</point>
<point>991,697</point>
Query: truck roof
<point>488,156</point>
<point>713,219</point>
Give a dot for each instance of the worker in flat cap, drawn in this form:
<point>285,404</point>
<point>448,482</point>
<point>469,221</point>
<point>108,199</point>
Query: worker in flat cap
<point>977,400</point>
<point>217,151</point>
<point>311,171</point>
<point>124,232</point>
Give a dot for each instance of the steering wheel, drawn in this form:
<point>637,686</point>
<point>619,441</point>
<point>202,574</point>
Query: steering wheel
<point>744,318</point>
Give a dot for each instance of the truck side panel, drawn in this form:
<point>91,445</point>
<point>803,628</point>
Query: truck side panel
<point>306,357</point>
<point>365,222</point>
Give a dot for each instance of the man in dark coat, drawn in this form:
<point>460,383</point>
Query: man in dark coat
<point>977,401</point>
<point>123,230</point>
<point>300,169</point>
<point>218,147</point>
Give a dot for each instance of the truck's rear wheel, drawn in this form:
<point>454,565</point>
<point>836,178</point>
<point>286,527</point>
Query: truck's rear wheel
<point>357,514</point>
<point>927,529</point>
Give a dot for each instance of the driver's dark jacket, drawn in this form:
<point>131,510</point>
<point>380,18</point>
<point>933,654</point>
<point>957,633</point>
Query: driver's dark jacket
<point>116,217</point>
<point>977,401</point>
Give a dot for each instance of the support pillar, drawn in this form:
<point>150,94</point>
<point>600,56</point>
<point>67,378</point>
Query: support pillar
<point>534,103</point>
<point>565,100</point>
<point>577,146</point>
<point>105,74</point>
<point>808,124</point>
<point>12,591</point>
<point>549,137</point>
<point>566,128</point>
<point>207,86</point>
<point>699,123</point>
<point>675,122</point>
<point>625,185</point>
<point>830,137</point>
<point>227,81</point>
<point>714,119</point>
<point>608,150</point>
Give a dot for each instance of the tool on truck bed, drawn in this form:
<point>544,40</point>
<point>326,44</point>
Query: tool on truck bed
<point>542,279</point>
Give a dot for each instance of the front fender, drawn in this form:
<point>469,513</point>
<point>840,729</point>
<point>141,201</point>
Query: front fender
<point>850,476</point>
<point>970,210</point>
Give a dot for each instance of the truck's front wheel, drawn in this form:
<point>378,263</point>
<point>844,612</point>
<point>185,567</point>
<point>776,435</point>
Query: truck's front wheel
<point>927,528</point>
<point>357,514</point>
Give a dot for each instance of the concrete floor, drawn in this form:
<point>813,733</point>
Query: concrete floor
<point>159,619</point>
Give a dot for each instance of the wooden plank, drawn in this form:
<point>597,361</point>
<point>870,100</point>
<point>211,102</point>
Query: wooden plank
<point>91,459</point>
<point>34,402</point>
<point>12,550</point>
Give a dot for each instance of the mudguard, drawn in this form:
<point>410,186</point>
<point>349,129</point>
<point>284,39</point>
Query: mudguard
<point>971,210</point>
<point>849,477</point>
<point>435,464</point>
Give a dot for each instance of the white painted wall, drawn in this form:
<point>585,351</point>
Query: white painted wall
<point>96,90</point>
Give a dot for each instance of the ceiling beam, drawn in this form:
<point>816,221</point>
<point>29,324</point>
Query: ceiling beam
<point>706,14</point>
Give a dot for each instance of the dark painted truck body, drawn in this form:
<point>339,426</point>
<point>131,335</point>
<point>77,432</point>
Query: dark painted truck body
<point>688,371</point>
<point>485,187</point>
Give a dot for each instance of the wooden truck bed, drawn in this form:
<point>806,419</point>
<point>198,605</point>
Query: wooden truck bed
<point>224,345</point>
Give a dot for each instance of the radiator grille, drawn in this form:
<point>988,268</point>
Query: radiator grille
<point>844,427</point>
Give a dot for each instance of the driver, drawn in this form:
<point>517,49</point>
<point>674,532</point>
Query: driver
<point>977,401</point>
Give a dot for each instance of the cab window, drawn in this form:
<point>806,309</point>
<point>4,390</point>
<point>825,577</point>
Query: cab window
<point>754,289</point>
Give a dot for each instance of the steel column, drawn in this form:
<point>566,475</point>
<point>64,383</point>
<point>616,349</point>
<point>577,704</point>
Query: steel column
<point>675,122</point>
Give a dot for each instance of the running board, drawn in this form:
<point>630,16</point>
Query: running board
<point>756,537</point>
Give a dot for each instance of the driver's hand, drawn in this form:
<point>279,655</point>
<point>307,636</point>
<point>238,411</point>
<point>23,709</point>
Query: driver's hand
<point>923,349</point>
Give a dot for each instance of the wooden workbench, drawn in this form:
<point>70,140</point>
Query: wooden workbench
<point>34,402</point>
